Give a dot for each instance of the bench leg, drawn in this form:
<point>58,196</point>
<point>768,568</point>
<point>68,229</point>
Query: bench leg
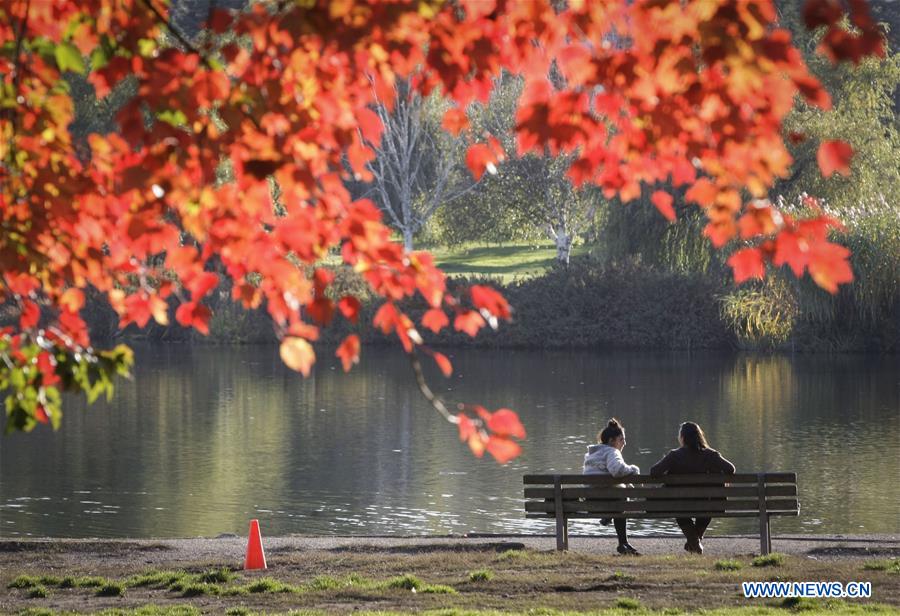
<point>765,540</point>
<point>562,532</point>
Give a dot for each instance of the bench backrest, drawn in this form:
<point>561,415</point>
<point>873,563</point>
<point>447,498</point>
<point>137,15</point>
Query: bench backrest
<point>595,496</point>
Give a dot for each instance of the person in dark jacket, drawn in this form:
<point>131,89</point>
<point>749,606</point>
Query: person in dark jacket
<point>694,456</point>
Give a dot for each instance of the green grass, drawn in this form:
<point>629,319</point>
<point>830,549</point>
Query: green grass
<point>407,582</point>
<point>437,589</point>
<point>891,566</point>
<point>196,589</point>
<point>82,582</point>
<point>728,565</point>
<point>111,589</point>
<point>769,560</point>
<point>38,591</point>
<point>216,576</point>
<point>505,262</point>
<point>156,579</point>
<point>24,581</point>
<point>481,575</point>
<point>627,603</point>
<point>268,584</point>
<point>624,606</point>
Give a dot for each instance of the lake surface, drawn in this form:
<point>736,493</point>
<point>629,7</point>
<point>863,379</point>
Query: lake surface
<point>206,438</point>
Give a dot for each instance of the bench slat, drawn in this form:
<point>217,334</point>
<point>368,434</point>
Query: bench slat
<point>664,479</point>
<point>611,506</point>
<point>664,492</point>
<point>660,515</point>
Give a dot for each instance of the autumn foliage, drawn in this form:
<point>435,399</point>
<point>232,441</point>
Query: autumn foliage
<point>655,95</point>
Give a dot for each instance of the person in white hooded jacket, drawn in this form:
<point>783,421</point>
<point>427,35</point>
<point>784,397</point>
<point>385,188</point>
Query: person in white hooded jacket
<point>605,458</point>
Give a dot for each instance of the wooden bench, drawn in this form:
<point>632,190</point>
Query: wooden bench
<point>566,497</point>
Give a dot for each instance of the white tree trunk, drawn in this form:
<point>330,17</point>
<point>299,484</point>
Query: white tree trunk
<point>563,246</point>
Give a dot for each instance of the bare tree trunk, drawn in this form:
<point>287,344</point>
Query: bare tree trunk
<point>407,239</point>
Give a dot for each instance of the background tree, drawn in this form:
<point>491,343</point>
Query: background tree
<point>418,167</point>
<point>536,189</point>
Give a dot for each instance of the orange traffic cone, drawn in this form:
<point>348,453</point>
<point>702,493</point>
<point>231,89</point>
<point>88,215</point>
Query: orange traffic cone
<point>256,558</point>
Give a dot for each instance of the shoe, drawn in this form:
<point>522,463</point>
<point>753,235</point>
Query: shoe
<point>625,548</point>
<point>694,547</point>
<point>606,521</point>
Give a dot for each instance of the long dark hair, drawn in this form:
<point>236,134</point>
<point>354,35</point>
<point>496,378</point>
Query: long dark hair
<point>693,436</point>
<point>613,430</point>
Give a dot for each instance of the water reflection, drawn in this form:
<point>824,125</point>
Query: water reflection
<point>206,438</point>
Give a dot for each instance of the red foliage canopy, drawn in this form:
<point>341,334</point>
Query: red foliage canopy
<point>657,92</point>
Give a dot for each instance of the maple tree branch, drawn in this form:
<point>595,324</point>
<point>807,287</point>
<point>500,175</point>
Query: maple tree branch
<point>435,402</point>
<point>176,33</point>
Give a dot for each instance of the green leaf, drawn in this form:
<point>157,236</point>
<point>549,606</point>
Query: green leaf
<point>175,118</point>
<point>68,58</point>
<point>99,58</point>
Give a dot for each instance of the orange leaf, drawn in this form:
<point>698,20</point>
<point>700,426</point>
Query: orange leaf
<point>349,307</point>
<point>503,449</point>
<point>31,314</point>
<point>435,319</point>
<point>321,310</point>
<point>829,266</point>
<point>192,314</point>
<point>466,427</point>
<point>455,121</point>
<point>40,414</point>
<point>348,352</point>
<point>202,284</point>
<point>791,250</point>
<point>480,158</point>
<point>469,321</point>
<point>476,444</point>
<point>747,263</point>
<point>72,300</point>
<point>663,202</point>
<point>486,298</point>
<point>370,125</point>
<point>297,354</point>
<point>443,363</point>
<point>834,156</point>
<point>505,422</point>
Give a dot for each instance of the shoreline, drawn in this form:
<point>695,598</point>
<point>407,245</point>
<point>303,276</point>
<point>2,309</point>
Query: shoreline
<point>170,551</point>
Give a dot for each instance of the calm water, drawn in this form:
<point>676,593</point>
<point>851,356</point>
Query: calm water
<point>205,439</point>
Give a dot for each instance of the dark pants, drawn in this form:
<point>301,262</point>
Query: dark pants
<point>693,529</point>
<point>621,531</point>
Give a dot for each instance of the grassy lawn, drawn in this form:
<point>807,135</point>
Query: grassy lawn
<point>442,581</point>
<point>506,262</point>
